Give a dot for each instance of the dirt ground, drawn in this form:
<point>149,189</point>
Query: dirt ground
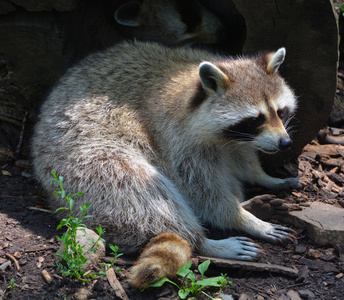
<point>28,244</point>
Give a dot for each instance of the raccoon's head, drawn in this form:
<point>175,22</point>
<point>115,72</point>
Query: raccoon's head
<point>246,101</point>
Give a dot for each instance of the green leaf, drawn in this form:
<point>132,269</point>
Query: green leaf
<point>71,204</point>
<point>184,272</point>
<point>61,208</point>
<point>160,283</point>
<point>183,293</point>
<point>184,269</point>
<point>204,267</point>
<point>100,230</point>
<point>219,281</point>
<point>191,276</point>
<point>77,194</point>
<point>63,222</point>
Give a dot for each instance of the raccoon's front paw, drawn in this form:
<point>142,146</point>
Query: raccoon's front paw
<point>290,183</point>
<point>239,248</point>
<point>279,234</point>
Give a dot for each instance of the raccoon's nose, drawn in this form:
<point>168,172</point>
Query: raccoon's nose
<point>285,143</point>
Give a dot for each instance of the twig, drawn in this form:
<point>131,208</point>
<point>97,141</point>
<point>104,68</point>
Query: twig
<point>7,152</point>
<point>46,276</point>
<point>12,121</point>
<point>21,136</point>
<point>5,265</point>
<point>250,266</point>
<point>14,260</point>
<point>40,209</point>
<point>115,284</point>
<point>120,261</point>
<point>296,285</point>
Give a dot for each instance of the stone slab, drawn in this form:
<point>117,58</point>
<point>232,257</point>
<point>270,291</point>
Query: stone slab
<point>323,222</point>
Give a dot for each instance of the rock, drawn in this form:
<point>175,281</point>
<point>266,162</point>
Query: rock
<point>306,294</point>
<point>303,274</point>
<point>83,239</point>
<point>300,249</point>
<point>244,297</point>
<point>224,297</point>
<point>82,294</point>
<point>323,222</point>
<point>314,253</point>
<point>293,295</point>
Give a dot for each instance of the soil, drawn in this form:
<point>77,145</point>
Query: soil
<point>28,244</point>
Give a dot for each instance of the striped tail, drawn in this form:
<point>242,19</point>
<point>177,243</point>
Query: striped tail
<point>161,257</point>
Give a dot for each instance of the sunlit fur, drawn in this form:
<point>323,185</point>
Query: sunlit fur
<point>139,129</point>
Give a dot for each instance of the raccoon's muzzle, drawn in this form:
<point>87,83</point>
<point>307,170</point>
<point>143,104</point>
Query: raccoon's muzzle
<point>285,143</point>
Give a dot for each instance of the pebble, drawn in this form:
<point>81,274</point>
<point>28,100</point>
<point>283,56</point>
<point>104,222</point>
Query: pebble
<point>306,294</point>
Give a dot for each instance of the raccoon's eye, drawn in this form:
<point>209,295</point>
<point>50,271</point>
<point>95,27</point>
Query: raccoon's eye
<point>283,114</point>
<point>255,122</point>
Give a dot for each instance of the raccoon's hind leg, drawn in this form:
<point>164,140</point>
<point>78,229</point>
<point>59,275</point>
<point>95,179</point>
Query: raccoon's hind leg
<point>139,205</point>
<point>138,202</point>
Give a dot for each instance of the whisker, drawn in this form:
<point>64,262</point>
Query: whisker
<point>255,145</point>
<point>235,143</point>
<point>288,120</point>
<point>238,134</point>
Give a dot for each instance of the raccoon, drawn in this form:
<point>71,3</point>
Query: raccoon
<point>170,22</point>
<point>160,141</point>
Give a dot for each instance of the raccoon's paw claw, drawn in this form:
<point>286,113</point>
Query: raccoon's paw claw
<point>248,250</point>
<point>291,183</point>
<point>303,182</point>
<point>280,234</point>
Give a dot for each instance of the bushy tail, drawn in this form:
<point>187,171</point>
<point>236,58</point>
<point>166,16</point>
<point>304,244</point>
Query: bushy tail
<point>162,257</point>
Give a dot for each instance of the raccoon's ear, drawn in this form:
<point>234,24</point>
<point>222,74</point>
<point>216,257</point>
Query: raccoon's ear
<point>128,13</point>
<point>274,60</point>
<point>212,78</point>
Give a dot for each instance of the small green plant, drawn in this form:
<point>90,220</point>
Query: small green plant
<point>342,9</point>
<point>74,254</point>
<point>191,286</point>
<point>11,286</point>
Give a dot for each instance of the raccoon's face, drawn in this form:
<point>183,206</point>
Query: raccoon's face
<point>248,102</point>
